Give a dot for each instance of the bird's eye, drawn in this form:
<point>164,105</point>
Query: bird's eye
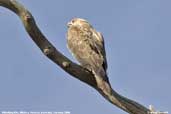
<point>73,21</point>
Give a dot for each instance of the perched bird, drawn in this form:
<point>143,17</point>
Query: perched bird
<point>87,46</point>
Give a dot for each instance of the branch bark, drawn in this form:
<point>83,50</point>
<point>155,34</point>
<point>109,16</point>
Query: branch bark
<point>67,65</point>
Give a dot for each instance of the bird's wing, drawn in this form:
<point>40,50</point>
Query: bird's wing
<point>98,39</point>
<point>96,42</point>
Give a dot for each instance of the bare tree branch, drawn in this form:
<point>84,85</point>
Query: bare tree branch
<point>70,67</point>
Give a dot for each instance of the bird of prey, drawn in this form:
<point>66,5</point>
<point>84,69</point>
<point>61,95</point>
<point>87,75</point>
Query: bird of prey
<point>87,46</point>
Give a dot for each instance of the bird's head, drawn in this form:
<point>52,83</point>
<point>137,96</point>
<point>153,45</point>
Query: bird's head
<point>78,22</point>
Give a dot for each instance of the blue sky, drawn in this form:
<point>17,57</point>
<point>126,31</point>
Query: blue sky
<point>137,37</point>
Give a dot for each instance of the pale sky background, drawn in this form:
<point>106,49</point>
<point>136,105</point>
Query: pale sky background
<point>138,44</point>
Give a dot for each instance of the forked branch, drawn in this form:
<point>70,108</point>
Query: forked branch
<point>70,67</point>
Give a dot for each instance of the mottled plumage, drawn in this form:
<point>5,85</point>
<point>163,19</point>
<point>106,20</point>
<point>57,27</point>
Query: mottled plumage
<point>87,46</point>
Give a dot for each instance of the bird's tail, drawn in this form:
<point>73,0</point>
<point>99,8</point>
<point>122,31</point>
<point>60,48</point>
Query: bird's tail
<point>101,73</point>
<point>103,84</point>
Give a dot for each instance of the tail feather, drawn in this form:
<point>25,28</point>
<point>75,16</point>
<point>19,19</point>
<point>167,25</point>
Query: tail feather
<point>101,73</point>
